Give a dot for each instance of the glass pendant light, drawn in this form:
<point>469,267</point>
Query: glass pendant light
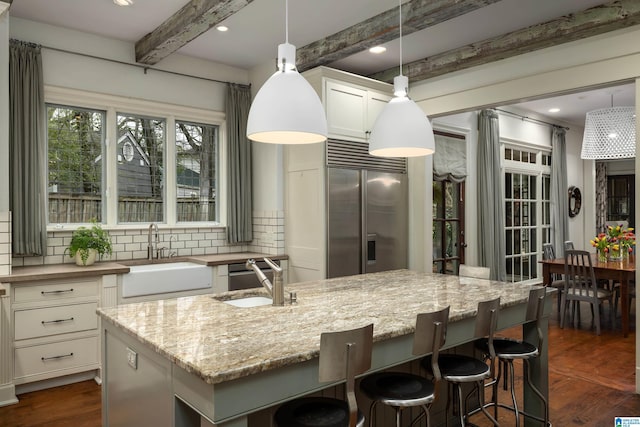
<point>286,109</point>
<point>402,129</point>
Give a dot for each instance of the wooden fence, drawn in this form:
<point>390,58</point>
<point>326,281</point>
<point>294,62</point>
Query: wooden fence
<point>66,209</point>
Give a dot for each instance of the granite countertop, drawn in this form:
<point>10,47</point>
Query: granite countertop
<point>218,342</point>
<point>69,270</point>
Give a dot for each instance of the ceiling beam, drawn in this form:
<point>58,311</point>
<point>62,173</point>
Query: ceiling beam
<point>194,19</point>
<point>416,15</point>
<point>596,20</point>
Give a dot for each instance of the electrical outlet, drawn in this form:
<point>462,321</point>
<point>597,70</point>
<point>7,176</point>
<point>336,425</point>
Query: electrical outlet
<point>132,358</point>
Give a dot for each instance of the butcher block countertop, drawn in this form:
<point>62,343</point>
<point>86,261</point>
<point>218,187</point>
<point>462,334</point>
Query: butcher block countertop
<point>218,342</point>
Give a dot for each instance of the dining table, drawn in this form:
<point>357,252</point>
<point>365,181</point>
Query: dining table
<point>623,272</point>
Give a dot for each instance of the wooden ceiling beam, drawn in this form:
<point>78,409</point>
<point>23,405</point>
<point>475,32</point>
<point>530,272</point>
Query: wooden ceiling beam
<point>590,22</point>
<point>382,28</point>
<point>192,20</point>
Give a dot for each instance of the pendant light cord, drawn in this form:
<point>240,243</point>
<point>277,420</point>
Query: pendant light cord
<point>286,21</point>
<point>400,19</point>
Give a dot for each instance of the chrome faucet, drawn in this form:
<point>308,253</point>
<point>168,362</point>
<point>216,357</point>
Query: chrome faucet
<point>153,242</point>
<point>275,290</point>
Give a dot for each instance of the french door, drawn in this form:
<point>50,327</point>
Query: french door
<point>448,226</point>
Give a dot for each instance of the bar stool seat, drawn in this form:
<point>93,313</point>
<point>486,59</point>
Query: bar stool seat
<point>459,369</point>
<point>507,350</point>
<point>315,412</point>
<point>402,390</point>
<point>343,355</point>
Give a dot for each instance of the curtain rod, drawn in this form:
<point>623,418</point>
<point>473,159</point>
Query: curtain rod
<point>531,119</point>
<point>145,68</point>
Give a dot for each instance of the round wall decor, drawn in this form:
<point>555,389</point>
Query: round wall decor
<point>575,201</point>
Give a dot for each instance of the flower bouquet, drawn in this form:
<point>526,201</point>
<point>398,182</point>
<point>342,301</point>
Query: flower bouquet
<point>615,244</point>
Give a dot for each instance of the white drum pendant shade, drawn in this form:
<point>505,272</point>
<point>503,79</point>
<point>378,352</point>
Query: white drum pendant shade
<point>402,129</point>
<point>286,109</point>
<point>609,133</point>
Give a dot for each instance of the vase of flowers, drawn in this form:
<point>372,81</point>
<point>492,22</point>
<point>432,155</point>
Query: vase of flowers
<point>614,244</point>
<point>602,246</point>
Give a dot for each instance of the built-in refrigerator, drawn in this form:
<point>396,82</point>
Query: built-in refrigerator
<point>367,221</point>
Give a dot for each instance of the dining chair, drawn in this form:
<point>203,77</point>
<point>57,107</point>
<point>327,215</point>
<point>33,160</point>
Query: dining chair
<point>476,272</point>
<point>557,281</point>
<point>402,390</point>
<point>343,355</point>
<point>581,286</point>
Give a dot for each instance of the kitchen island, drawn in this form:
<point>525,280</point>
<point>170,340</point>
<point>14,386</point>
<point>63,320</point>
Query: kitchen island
<point>196,360</point>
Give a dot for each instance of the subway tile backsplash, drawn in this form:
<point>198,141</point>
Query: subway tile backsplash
<point>268,233</point>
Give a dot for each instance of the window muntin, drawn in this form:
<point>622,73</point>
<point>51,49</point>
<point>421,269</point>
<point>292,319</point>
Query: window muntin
<point>140,168</point>
<point>196,171</point>
<point>527,188</point>
<point>75,146</point>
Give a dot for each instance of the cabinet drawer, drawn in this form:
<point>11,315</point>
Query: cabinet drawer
<point>42,322</point>
<point>52,291</point>
<point>52,357</point>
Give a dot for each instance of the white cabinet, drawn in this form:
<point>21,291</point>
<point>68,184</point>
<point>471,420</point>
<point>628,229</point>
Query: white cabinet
<point>351,109</point>
<point>55,328</point>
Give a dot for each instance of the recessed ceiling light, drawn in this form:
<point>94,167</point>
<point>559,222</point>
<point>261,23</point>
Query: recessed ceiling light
<point>378,49</point>
<point>123,2</point>
<point>222,28</point>
<point>554,110</point>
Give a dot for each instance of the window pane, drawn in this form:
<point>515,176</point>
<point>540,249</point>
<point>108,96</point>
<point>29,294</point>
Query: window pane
<point>196,169</point>
<point>140,157</point>
<point>75,138</point>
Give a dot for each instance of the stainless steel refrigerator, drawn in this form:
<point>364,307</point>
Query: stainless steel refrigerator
<point>367,221</point>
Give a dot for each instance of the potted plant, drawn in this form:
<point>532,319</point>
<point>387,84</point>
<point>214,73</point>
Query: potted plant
<point>87,243</point>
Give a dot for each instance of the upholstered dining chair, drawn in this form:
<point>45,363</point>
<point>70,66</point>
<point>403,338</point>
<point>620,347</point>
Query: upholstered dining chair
<point>343,355</point>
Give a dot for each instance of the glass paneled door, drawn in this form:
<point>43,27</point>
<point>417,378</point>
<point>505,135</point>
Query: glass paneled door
<point>448,226</point>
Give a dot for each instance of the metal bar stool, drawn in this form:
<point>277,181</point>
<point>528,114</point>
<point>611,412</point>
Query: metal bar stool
<point>343,355</point>
<point>459,369</point>
<point>403,390</point>
<point>507,350</point>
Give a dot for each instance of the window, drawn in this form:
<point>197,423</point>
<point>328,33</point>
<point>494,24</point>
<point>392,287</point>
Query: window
<point>527,188</point>
<point>140,159</point>
<point>131,162</point>
<point>75,143</point>
<point>196,168</point>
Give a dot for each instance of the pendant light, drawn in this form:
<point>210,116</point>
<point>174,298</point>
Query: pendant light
<point>609,133</point>
<point>402,129</point>
<point>286,109</point>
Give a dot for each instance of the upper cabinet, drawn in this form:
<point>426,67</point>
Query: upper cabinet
<point>352,103</point>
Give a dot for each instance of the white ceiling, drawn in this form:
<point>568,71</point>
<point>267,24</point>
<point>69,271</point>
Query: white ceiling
<point>258,28</point>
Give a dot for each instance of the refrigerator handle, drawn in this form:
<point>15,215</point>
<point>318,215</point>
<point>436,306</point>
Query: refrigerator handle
<point>371,248</point>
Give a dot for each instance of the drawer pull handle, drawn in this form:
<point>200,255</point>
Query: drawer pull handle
<point>61,291</point>
<point>62,356</point>
<point>44,322</point>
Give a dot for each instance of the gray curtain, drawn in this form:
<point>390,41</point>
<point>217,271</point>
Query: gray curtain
<point>490,200</point>
<point>559,191</point>
<point>601,197</point>
<point>27,147</point>
<point>239,208</point>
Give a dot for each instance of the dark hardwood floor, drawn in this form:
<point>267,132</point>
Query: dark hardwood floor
<point>592,380</point>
